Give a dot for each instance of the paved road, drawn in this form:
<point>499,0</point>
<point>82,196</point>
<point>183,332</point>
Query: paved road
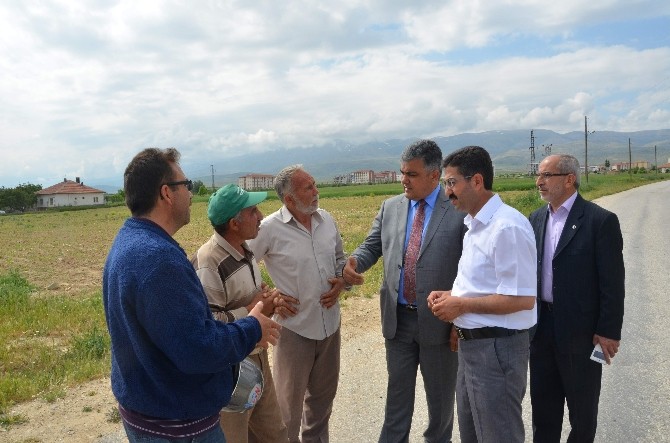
<point>635,400</point>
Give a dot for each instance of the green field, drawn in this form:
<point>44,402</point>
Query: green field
<point>52,326</point>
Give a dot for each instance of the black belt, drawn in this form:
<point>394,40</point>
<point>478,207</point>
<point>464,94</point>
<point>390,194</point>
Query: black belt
<point>548,305</point>
<point>488,332</point>
<point>408,307</point>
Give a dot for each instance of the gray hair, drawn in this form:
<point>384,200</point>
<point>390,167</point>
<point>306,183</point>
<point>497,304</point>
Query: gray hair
<point>426,150</point>
<point>284,180</point>
<point>568,164</point>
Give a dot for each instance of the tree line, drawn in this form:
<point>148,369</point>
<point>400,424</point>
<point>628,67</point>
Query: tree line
<point>20,198</point>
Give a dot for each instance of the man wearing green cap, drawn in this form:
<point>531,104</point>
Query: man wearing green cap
<point>233,284</point>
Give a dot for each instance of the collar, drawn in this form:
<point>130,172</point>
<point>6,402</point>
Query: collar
<point>430,198</point>
<point>486,212</point>
<point>286,215</point>
<point>566,204</point>
<point>230,249</point>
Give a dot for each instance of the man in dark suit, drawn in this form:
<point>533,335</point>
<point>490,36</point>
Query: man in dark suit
<point>581,287</point>
<point>414,336</point>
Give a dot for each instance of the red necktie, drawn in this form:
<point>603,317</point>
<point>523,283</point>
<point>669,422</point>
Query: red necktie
<point>412,254</point>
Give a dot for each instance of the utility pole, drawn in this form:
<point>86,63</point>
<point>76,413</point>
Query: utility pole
<point>212,166</point>
<point>586,151</point>
<point>630,160</point>
<point>655,160</point>
<point>533,165</point>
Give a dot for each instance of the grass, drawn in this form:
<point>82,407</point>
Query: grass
<point>51,339</point>
<point>49,342</point>
<point>9,420</point>
<point>113,415</point>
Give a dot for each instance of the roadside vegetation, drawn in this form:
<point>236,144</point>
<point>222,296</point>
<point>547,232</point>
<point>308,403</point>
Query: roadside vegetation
<point>52,327</point>
<point>49,343</point>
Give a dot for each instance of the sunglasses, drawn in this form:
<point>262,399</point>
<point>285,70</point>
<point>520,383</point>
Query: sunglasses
<point>188,183</point>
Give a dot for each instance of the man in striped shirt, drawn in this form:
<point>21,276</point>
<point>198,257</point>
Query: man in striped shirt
<point>233,284</point>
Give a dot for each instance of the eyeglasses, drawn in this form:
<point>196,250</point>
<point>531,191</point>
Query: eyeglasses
<point>188,183</point>
<point>549,174</point>
<point>451,182</point>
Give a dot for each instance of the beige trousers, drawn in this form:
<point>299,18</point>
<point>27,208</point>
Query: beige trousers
<point>306,374</point>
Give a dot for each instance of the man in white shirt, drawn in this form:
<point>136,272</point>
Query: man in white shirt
<point>302,251</point>
<point>492,303</point>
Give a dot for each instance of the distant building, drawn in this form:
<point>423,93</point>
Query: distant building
<point>593,168</point>
<point>625,166</point>
<point>366,177</point>
<point>665,168</point>
<point>642,165</point>
<point>252,182</point>
<point>386,177</point>
<point>69,193</point>
<point>362,177</point>
<point>342,179</point>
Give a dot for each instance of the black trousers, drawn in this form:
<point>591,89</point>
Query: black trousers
<point>559,377</point>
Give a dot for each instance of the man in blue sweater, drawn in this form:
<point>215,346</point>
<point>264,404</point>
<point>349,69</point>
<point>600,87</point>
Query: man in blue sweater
<point>172,362</point>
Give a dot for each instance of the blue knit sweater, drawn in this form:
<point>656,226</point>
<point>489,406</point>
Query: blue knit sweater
<point>170,358</point>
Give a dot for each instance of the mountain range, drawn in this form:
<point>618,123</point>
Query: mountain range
<point>509,149</point>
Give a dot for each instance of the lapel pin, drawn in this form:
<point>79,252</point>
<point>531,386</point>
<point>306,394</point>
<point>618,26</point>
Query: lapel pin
<point>574,227</point>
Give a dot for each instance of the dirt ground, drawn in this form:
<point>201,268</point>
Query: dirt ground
<point>82,416</point>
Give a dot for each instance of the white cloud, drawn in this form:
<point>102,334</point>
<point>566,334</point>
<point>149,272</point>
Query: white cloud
<point>85,85</point>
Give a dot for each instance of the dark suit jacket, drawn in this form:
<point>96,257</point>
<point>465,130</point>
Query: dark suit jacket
<point>436,266</point>
<point>588,275</point>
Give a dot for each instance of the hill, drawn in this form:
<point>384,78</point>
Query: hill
<point>509,150</point>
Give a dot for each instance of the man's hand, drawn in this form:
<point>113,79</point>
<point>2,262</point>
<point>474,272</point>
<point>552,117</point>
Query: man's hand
<point>610,347</point>
<point>270,328</point>
<point>263,294</point>
<point>285,306</point>
<point>434,296</point>
<point>349,273</point>
<point>330,298</point>
<point>444,306</point>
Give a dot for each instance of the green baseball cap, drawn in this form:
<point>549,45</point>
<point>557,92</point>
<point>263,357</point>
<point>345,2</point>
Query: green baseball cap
<point>227,201</point>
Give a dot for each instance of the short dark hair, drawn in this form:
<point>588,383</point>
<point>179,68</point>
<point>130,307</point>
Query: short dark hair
<point>426,150</point>
<point>143,178</point>
<point>472,160</point>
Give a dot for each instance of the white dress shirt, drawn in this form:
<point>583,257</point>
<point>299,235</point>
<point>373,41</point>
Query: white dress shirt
<point>499,257</point>
<point>300,263</point>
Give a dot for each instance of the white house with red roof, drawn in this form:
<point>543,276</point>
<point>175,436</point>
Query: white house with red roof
<point>665,168</point>
<point>69,193</point>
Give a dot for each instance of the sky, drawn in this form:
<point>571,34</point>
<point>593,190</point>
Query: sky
<point>85,85</point>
